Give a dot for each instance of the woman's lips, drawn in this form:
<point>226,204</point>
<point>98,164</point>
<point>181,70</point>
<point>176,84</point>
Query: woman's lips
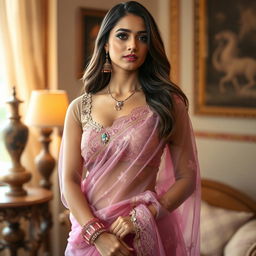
<point>131,57</point>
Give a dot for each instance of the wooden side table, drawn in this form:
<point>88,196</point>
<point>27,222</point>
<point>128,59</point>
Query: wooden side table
<point>32,211</point>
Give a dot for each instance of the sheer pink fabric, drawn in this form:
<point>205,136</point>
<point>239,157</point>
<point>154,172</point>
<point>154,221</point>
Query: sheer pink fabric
<point>133,169</point>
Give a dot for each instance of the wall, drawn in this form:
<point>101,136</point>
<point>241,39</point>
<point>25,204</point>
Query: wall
<point>229,161</point>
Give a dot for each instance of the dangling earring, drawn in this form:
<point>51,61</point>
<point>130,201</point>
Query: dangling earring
<point>107,67</point>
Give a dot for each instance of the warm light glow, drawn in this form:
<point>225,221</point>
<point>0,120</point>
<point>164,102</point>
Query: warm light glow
<point>47,108</point>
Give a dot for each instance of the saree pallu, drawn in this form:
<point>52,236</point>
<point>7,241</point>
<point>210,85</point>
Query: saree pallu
<point>133,169</point>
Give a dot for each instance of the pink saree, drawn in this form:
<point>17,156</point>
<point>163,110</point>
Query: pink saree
<point>132,169</point>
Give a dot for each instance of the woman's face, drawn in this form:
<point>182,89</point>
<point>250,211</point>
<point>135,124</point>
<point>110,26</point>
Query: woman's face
<point>127,43</point>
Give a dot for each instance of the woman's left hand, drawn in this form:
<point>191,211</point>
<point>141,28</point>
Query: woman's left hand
<point>122,226</point>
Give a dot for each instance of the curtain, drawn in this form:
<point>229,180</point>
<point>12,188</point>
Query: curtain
<point>23,32</point>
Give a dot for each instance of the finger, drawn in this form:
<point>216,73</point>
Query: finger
<point>130,249</point>
<point>121,253</point>
<point>115,224</point>
<point>118,228</point>
<point>125,251</point>
<point>122,232</point>
<point>120,250</point>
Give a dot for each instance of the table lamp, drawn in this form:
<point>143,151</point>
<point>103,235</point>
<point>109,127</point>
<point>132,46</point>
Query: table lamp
<point>47,109</point>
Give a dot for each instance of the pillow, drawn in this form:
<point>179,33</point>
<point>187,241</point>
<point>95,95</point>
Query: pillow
<point>242,240</point>
<point>217,227</point>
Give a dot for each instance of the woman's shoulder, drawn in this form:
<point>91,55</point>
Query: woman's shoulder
<point>76,107</point>
<point>76,100</point>
<point>77,103</point>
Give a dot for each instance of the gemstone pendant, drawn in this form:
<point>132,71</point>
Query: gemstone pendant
<point>119,105</point>
<point>105,138</point>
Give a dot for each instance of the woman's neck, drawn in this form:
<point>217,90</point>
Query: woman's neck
<point>124,83</point>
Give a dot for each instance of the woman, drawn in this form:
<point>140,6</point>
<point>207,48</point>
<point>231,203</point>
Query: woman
<point>128,167</point>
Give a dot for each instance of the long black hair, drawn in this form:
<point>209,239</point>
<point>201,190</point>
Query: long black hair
<point>154,73</point>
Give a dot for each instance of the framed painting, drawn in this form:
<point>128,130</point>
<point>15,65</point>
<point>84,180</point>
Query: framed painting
<point>225,57</point>
<point>89,21</point>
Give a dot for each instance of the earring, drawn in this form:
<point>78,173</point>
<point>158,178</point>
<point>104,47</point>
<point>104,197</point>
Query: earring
<point>107,67</point>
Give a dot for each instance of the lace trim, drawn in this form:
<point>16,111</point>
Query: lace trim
<point>145,244</point>
<point>86,113</point>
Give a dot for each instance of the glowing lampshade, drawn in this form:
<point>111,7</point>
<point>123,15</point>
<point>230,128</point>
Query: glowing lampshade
<point>47,108</point>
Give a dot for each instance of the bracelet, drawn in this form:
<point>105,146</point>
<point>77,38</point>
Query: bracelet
<point>96,235</point>
<point>91,230</point>
<point>134,220</point>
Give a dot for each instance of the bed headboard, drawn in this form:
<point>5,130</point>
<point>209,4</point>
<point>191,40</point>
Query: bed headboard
<point>225,196</point>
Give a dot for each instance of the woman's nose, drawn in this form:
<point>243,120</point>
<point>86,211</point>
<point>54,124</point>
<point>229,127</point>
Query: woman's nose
<point>132,44</point>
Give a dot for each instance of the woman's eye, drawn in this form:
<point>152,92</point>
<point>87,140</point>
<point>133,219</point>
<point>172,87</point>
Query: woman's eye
<point>143,38</point>
<point>122,36</point>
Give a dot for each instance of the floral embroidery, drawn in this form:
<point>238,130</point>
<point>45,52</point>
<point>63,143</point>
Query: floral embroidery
<point>86,113</point>
<point>93,181</point>
<point>122,177</point>
<point>192,165</point>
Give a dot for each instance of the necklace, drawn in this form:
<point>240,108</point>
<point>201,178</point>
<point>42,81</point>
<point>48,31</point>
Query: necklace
<point>119,103</point>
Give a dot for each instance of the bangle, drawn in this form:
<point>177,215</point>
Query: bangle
<point>91,230</point>
<point>134,220</point>
<point>96,235</point>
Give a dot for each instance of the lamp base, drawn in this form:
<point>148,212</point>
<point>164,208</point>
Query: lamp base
<point>15,178</point>
<point>44,161</point>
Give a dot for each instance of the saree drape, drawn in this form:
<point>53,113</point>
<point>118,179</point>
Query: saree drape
<point>133,169</point>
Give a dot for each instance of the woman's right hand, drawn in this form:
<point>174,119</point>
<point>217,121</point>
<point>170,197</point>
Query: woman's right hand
<point>108,244</point>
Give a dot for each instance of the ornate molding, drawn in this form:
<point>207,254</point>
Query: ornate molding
<point>226,136</point>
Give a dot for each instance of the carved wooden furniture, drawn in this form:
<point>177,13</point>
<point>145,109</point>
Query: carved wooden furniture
<point>227,197</point>
<point>24,213</point>
<point>27,221</point>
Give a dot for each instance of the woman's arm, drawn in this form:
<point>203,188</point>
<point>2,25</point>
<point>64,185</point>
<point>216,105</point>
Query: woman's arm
<point>72,166</point>
<point>184,159</point>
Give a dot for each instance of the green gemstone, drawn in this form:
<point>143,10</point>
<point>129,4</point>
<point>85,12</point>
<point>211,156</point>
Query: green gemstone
<point>105,138</point>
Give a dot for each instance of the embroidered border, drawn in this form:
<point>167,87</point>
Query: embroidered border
<point>114,133</point>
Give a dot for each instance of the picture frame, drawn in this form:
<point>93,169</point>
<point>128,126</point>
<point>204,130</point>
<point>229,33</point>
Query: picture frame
<point>225,57</point>
<point>89,21</point>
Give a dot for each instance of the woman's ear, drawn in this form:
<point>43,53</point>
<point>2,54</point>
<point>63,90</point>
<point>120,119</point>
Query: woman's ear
<point>106,47</point>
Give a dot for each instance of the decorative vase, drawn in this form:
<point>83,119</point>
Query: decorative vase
<point>15,135</point>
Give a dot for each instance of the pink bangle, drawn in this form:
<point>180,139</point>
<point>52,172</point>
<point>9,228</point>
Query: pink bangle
<point>91,221</point>
<point>91,230</point>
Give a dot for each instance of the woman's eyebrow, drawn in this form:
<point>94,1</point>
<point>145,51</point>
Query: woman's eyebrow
<point>129,31</point>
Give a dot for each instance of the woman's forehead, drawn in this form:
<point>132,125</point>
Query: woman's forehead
<point>130,22</point>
